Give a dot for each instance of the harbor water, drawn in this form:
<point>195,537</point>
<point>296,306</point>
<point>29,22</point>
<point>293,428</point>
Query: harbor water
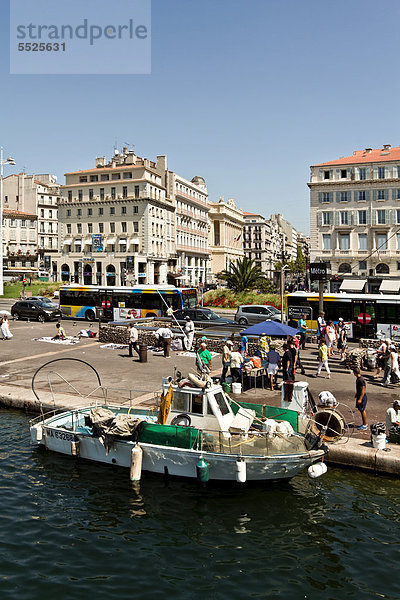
<point>77,530</point>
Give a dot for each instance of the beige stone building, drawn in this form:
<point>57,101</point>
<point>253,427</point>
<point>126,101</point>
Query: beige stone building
<point>226,234</point>
<point>355,219</point>
<point>19,243</point>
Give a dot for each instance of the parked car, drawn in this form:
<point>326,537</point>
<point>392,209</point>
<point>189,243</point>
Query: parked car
<point>35,310</point>
<point>203,317</point>
<point>249,314</point>
<point>45,300</point>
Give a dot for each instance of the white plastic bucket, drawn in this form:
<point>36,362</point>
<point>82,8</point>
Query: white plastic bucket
<point>236,388</point>
<point>379,441</point>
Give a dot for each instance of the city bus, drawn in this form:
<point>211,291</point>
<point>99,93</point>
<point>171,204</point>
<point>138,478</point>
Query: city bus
<point>112,303</point>
<point>366,315</point>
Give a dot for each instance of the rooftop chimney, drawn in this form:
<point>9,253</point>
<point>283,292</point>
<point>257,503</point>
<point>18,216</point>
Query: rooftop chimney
<point>387,146</point>
<point>368,150</point>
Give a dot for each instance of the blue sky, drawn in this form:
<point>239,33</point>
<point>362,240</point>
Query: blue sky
<point>246,94</point>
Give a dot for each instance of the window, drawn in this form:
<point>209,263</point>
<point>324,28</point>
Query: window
<point>362,265</point>
<point>91,194</point>
<point>69,228</point>
<point>101,227</point>
<point>362,217</point>
<point>398,242</point>
<point>344,241</point>
<point>397,216</point>
<point>381,172</point>
<point>124,191</point>
<point>79,227</point>
<point>327,218</point>
<point>135,209</point>
<point>381,194</point>
<point>124,228</point>
<point>136,191</point>
<point>69,195</point>
<point>104,177</point>
<point>90,212</point>
<point>363,173</point>
<point>112,210</point>
<point>115,176</point>
<point>381,217</point>
<point>136,227</point>
<point>112,227</point>
<point>68,212</point>
<point>80,194</point>
<point>343,173</point>
<point>50,214</point>
<point>398,266</point>
<point>101,193</point>
<point>381,241</point>
<point>42,213</point>
<point>362,196</point>
<point>113,193</point>
<point>344,196</point>
<point>127,175</point>
<point>101,211</point>
<point>90,228</point>
<point>326,196</point>
<point>327,175</point>
<point>94,178</point>
<point>123,210</point>
<point>326,241</point>
<point>344,217</point>
<point>79,212</point>
<point>83,179</point>
<point>362,241</point>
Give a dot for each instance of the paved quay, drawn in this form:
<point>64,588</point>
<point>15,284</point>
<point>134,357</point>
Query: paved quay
<point>141,382</point>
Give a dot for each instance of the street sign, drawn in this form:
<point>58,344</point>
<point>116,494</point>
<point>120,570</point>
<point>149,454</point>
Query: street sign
<point>361,317</point>
<point>296,312</point>
<point>318,271</point>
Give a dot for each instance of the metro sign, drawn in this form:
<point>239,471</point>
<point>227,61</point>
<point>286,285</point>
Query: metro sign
<point>318,271</point>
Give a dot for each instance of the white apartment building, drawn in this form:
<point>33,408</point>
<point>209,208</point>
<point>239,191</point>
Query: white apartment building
<point>226,234</point>
<point>19,242</point>
<point>117,223</point>
<point>355,219</point>
<point>35,195</point>
<point>190,200</point>
<point>264,242</point>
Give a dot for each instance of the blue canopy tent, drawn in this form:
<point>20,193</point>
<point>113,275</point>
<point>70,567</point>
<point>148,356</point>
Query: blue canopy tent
<point>270,328</point>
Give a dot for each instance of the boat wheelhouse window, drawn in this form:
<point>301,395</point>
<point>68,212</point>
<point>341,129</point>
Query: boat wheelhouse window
<point>197,404</point>
<point>219,397</point>
<point>181,401</point>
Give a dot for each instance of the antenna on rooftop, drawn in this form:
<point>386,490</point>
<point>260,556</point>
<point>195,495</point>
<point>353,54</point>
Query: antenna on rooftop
<point>115,148</point>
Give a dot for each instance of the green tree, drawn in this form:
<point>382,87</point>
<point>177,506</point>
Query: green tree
<point>300,261</point>
<point>244,275</point>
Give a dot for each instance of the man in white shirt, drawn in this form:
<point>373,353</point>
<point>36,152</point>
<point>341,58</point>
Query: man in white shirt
<point>189,333</point>
<point>133,339</point>
<point>236,364</point>
<point>393,415</point>
<point>165,335</point>
<point>170,311</point>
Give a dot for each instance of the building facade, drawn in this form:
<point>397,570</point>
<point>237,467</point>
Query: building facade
<point>36,195</point>
<point>263,242</point>
<point>226,234</point>
<point>355,217</point>
<point>19,243</point>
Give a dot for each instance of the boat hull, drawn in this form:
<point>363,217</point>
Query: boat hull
<point>177,461</point>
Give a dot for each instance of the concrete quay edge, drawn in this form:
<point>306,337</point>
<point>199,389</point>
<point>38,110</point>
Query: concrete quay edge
<point>354,453</point>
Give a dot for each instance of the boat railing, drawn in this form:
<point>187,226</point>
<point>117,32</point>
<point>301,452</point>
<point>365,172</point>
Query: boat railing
<point>129,394</point>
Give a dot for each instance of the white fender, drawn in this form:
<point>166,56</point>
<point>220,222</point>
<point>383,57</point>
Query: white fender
<point>136,463</point>
<point>317,470</point>
<point>241,475</point>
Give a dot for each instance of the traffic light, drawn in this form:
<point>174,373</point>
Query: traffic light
<point>24,281</point>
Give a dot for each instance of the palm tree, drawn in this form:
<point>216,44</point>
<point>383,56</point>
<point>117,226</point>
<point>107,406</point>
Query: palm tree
<point>244,275</point>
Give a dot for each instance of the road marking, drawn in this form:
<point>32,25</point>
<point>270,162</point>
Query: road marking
<point>24,358</point>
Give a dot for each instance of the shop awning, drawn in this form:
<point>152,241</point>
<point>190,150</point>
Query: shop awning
<point>134,241</point>
<point>67,242</point>
<point>353,285</point>
<point>122,240</point>
<point>111,241</point>
<point>390,285</point>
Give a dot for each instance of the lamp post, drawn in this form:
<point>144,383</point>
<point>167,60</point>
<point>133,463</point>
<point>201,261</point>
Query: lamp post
<point>8,161</point>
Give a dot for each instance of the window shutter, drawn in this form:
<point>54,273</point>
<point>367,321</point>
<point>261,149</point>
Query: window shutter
<point>386,194</point>
<point>375,172</point>
<point>319,219</point>
<point>337,173</point>
<point>320,197</point>
<point>356,173</point>
<point>337,218</point>
<point>394,194</point>
<point>386,171</point>
<point>321,174</point>
<point>348,173</point>
<point>374,216</point>
<point>330,196</point>
<point>368,217</point>
<point>331,174</point>
<point>394,215</point>
<point>387,216</point>
<point>349,196</point>
<point>367,173</point>
<point>337,196</point>
<point>367,195</point>
<point>375,194</point>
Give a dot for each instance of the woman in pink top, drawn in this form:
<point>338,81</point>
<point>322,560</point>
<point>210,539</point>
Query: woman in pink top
<point>330,337</point>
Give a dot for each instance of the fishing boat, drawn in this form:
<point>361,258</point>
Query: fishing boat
<point>197,432</point>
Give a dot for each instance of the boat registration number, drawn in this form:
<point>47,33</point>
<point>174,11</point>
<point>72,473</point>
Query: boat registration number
<point>61,435</point>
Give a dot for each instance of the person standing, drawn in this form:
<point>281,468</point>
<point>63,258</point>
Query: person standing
<point>204,355</point>
<point>330,337</point>
<point>236,365</point>
<point>264,349</point>
<point>321,324</point>
<point>393,415</point>
<point>287,364</point>
<point>297,362</point>
<point>393,363</point>
<point>323,359</point>
<point>274,362</point>
<point>165,335</point>
<point>342,339</point>
<point>302,331</point>
<point>170,311</point>
<point>5,328</point>
<point>361,398</point>
<point>189,333</point>
<point>244,345</point>
<point>133,339</point>
<point>381,358</point>
<point>226,358</point>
